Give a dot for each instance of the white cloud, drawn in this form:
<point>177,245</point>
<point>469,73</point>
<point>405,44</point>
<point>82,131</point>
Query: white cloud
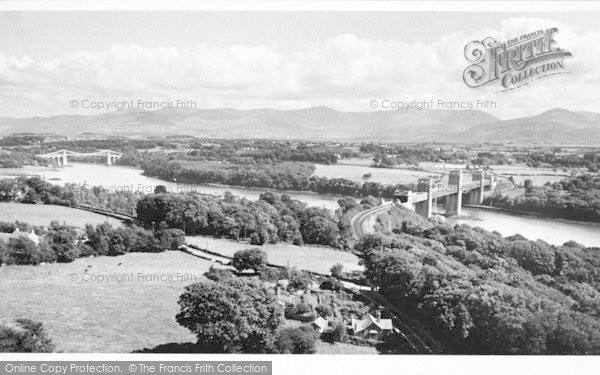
<point>345,71</point>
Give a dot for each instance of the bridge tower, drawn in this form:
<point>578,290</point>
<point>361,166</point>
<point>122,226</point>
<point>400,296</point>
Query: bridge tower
<point>454,200</point>
<point>476,195</point>
<point>425,208</point>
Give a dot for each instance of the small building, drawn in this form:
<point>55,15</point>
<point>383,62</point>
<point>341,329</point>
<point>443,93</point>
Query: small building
<point>321,324</point>
<point>371,327</point>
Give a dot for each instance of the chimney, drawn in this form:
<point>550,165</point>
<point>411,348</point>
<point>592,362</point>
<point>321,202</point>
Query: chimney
<point>378,315</point>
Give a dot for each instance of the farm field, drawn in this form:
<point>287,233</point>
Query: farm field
<point>388,176</point>
<point>110,316</point>
<point>365,162</point>
<point>316,259</point>
<point>539,176</point>
<point>42,214</point>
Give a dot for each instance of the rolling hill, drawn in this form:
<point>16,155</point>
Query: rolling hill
<point>557,126</point>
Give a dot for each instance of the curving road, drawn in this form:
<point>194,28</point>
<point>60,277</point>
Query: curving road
<point>362,224</point>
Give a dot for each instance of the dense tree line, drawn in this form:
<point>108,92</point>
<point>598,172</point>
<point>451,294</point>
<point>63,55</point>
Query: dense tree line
<point>573,199</point>
<point>63,243</point>
<point>271,219</point>
<point>21,140</point>
<point>18,159</point>
<point>36,190</point>
<point>283,176</point>
<point>390,155</point>
<point>489,158</point>
<point>245,152</point>
<point>590,160</point>
<point>265,152</point>
<point>485,294</point>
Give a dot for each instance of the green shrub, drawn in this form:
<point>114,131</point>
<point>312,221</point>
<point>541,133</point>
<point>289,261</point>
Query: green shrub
<point>218,274</point>
<point>253,259</point>
<point>331,284</point>
<point>296,340</point>
<point>27,337</point>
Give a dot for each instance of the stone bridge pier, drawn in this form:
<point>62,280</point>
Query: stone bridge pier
<point>454,199</point>
<point>111,158</point>
<point>425,207</point>
<point>61,159</point>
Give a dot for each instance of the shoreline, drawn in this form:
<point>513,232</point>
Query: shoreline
<point>533,215</point>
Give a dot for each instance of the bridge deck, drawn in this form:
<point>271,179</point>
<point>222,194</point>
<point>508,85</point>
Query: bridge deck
<point>438,191</point>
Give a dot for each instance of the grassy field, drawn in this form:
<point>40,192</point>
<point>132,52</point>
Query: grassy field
<point>539,176</point>
<point>342,348</point>
<point>86,315</point>
<point>316,259</point>
<point>41,214</point>
<point>382,175</point>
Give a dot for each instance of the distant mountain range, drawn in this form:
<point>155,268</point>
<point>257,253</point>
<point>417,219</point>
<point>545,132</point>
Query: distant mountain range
<point>557,126</point>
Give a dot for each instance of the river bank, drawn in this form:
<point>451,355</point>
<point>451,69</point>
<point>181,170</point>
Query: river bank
<point>555,232</point>
<point>530,214</point>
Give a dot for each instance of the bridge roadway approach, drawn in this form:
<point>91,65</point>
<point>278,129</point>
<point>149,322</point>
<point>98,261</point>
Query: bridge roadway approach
<point>424,200</point>
<point>60,156</point>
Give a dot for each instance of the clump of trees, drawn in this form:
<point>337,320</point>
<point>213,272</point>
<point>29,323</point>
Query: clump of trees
<point>25,336</point>
<point>589,160</point>
<point>271,219</point>
<point>575,199</point>
<point>64,243</point>
<point>337,270</point>
<point>36,190</point>
<point>237,315</point>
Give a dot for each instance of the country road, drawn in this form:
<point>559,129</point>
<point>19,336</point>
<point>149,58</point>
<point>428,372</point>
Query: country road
<point>362,224</point>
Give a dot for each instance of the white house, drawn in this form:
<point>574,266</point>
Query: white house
<point>320,324</point>
<point>5,237</point>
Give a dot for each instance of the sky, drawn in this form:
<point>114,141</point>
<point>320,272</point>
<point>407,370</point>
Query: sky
<point>282,60</point>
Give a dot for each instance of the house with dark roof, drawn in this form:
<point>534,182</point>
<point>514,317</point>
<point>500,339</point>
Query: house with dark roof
<point>371,327</point>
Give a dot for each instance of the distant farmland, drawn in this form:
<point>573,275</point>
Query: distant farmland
<point>42,214</point>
